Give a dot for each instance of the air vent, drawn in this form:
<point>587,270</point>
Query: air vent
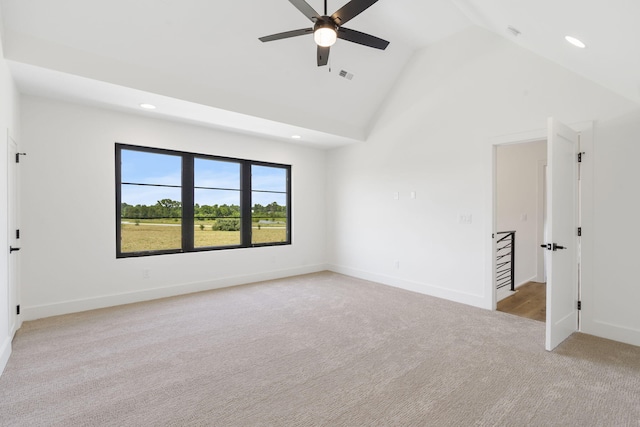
<point>514,31</point>
<point>347,75</point>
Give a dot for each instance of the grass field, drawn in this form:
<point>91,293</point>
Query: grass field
<point>138,238</point>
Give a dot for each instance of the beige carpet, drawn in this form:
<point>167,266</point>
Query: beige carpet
<point>320,349</point>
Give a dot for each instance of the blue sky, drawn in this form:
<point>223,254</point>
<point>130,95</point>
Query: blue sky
<point>152,168</point>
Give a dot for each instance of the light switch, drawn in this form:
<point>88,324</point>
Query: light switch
<point>464,218</point>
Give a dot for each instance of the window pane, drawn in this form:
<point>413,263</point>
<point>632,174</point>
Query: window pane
<point>265,178</point>
<point>140,167</point>
<point>216,217</point>
<point>269,204</point>
<point>151,209</point>
<point>216,174</point>
<point>216,210</point>
<point>269,217</point>
<point>149,226</point>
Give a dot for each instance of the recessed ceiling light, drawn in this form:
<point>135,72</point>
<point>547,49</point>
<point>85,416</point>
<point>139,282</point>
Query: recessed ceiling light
<point>574,41</point>
<point>296,136</point>
<point>148,106</point>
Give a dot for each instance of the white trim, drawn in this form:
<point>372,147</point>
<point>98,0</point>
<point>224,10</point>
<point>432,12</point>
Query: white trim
<point>74,306</point>
<point>5,353</point>
<point>537,134</point>
<point>541,207</point>
<point>422,288</point>
<point>492,229</point>
<point>613,332</point>
<point>520,138</point>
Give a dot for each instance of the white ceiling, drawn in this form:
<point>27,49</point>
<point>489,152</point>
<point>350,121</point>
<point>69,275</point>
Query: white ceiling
<point>201,60</point>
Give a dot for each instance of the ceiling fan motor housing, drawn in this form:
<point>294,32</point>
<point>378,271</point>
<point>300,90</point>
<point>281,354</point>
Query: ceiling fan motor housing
<point>325,22</point>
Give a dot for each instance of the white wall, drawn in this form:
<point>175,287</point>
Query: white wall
<point>610,286</point>
<point>9,122</point>
<point>68,220</point>
<point>519,208</point>
<point>434,136</point>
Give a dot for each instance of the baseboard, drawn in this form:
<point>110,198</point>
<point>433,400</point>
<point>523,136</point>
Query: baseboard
<point>502,294</point>
<point>5,352</point>
<point>612,332</point>
<point>422,288</point>
<point>531,279</point>
<point>75,306</point>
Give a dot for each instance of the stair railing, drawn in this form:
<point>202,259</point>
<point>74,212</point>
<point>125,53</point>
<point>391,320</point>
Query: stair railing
<point>505,259</point>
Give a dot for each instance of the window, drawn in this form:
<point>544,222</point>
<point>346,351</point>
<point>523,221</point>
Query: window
<point>171,202</point>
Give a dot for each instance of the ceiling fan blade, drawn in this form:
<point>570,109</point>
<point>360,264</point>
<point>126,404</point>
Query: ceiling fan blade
<point>362,38</point>
<point>323,56</point>
<point>350,10</point>
<point>286,35</point>
<point>306,10</point>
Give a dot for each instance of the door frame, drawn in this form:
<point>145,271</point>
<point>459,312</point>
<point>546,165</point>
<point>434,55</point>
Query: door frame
<point>585,129</point>
<point>540,167</point>
<point>511,139</point>
<point>13,224</point>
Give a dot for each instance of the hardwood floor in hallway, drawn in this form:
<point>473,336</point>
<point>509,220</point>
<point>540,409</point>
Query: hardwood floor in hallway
<point>530,301</point>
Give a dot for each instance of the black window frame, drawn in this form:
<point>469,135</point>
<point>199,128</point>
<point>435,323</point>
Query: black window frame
<point>187,193</point>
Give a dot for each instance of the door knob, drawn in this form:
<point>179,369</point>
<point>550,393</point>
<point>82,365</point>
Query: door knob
<point>11,249</point>
<point>552,246</point>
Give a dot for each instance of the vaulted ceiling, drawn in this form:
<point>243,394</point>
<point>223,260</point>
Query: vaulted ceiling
<point>201,61</point>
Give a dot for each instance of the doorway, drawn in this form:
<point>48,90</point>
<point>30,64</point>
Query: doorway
<point>562,231</point>
<point>520,188</point>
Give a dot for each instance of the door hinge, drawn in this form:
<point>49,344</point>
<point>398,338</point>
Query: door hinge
<point>580,156</point>
<point>18,156</point>
<point>579,231</point>
<point>579,305</point>
<point>18,309</point>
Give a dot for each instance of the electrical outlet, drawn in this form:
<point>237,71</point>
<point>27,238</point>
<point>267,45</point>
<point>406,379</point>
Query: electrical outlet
<point>146,274</point>
<point>396,264</point>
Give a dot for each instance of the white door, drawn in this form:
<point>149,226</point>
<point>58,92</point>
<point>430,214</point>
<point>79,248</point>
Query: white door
<point>562,240</point>
<point>12,227</point>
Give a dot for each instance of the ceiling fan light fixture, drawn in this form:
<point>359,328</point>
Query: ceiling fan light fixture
<point>325,34</point>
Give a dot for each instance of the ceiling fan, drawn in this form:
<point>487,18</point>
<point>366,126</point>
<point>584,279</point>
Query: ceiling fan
<point>326,29</point>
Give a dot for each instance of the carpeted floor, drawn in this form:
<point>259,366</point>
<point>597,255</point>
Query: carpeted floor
<point>315,350</point>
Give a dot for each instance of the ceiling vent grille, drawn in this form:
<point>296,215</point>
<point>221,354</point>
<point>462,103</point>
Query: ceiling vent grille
<point>347,75</point>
